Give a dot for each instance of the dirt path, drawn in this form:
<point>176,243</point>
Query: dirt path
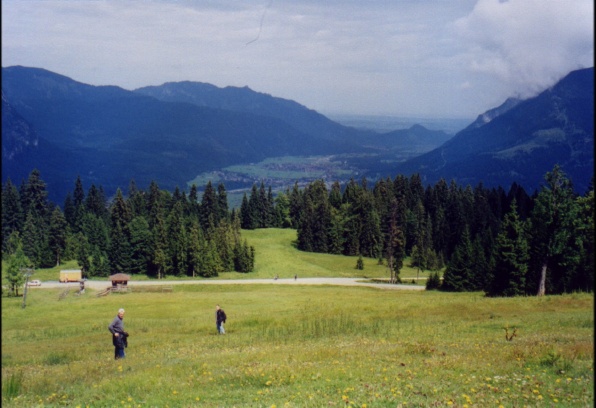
<point>98,285</point>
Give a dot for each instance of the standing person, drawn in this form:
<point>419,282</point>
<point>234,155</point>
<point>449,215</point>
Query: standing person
<point>220,319</point>
<point>118,334</point>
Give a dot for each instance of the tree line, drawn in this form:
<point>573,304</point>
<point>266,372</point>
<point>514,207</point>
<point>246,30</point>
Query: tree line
<point>502,243</point>
<point>152,232</point>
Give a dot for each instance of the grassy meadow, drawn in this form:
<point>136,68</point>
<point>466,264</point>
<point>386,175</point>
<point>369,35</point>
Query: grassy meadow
<point>298,346</point>
<point>276,254</point>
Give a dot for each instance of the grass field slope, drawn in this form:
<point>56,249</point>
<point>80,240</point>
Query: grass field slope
<point>298,345</point>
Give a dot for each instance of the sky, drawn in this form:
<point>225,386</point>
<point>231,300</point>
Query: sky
<point>406,58</point>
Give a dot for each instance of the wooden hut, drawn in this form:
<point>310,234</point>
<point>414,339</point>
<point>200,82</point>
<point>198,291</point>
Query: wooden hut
<point>119,282</point>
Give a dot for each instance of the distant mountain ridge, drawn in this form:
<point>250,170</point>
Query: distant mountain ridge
<point>168,134</point>
<point>245,100</point>
<point>248,101</point>
<point>173,132</point>
<point>109,135</point>
<point>522,142</point>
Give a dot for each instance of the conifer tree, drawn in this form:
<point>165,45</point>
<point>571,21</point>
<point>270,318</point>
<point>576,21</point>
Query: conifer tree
<point>83,254</point>
<point>154,205</point>
<point>360,263</point>
<point>433,282</point>
<point>95,203</point>
<point>209,206</point>
<point>245,214</point>
<point>459,271</point>
<point>222,202</point>
<point>99,265</point>
<point>351,231</point>
<point>78,204</point>
<point>254,207</point>
<point>395,247</point>
<point>193,198</point>
<point>136,200</point>
<point>35,243</point>
<point>371,239</point>
<point>335,195</point>
<point>336,230</point>
<point>140,245</point>
<point>12,212</point>
<point>211,263</point>
<point>120,211</point>
<point>69,211</point>
<point>224,241</point>
<point>263,210</point>
<point>305,232</point>
<point>508,276</point>
<point>554,250</point>
<point>351,192</point>
<point>96,231</point>
<point>34,196</point>
<point>296,204</point>
<point>119,252</point>
<point>177,238</point>
<point>57,234</point>
<point>195,245</point>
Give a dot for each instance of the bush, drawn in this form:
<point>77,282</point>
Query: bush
<point>433,282</point>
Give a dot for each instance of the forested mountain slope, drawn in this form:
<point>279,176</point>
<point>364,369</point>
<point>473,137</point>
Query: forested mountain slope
<point>523,143</point>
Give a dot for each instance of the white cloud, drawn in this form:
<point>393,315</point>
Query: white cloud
<point>407,57</point>
<point>529,44</point>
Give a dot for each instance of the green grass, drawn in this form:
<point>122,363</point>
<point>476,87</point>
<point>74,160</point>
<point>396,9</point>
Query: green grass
<point>276,254</point>
<point>298,346</point>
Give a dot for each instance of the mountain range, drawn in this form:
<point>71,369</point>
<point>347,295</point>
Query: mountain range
<point>521,140</point>
<point>173,132</point>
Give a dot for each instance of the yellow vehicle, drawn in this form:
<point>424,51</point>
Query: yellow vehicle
<point>70,275</point>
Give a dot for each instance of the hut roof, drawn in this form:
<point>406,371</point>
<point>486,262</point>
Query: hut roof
<point>119,277</point>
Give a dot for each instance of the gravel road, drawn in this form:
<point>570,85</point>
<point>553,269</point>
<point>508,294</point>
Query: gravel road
<point>102,284</point>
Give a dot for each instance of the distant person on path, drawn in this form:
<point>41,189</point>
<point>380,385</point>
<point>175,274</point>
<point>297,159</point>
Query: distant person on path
<point>295,276</point>
<point>220,319</point>
<point>118,335</point>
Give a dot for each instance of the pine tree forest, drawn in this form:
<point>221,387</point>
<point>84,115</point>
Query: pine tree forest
<point>152,232</point>
<point>504,243</point>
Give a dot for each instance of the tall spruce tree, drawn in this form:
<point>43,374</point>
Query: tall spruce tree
<point>371,239</point>
<point>12,212</point>
<point>34,196</point>
<point>396,243</point>
<point>119,253</point>
<point>222,202</point>
<point>209,206</point>
<point>458,276</point>
<point>177,240</point>
<point>57,234</point>
<point>140,245</point>
<point>508,276</point>
<point>554,249</point>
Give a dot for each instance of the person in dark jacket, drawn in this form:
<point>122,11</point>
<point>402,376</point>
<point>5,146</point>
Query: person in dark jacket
<point>119,336</point>
<point>220,319</point>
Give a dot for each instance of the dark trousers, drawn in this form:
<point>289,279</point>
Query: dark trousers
<point>118,352</point>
